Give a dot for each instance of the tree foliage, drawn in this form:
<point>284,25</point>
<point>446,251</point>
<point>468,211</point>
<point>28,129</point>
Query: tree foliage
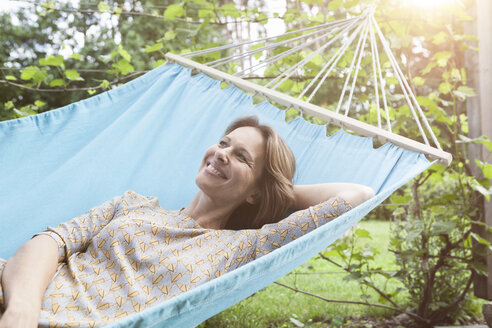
<point>435,238</point>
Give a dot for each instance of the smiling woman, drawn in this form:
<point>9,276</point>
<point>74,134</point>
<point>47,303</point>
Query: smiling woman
<point>129,253</point>
<point>229,176</point>
<point>254,169</point>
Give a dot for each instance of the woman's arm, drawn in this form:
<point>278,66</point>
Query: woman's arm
<point>309,195</point>
<point>24,281</point>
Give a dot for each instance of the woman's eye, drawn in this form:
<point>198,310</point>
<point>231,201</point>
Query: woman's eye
<point>222,143</point>
<point>243,158</point>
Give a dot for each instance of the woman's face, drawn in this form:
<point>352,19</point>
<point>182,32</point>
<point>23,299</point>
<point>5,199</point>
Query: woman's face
<point>230,170</point>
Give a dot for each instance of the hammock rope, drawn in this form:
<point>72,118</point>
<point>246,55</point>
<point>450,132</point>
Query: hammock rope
<point>343,32</point>
<point>249,53</point>
<point>333,61</point>
<point>404,84</point>
<point>378,73</point>
<point>265,39</point>
<point>286,74</point>
<point>359,53</point>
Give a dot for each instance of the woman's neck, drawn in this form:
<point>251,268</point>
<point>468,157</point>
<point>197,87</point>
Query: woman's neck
<point>207,213</point>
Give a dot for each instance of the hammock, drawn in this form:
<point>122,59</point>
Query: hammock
<point>149,135</point>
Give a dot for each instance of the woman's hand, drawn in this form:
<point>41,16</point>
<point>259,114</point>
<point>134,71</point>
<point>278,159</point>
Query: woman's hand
<point>24,280</point>
<point>309,195</point>
<point>20,316</point>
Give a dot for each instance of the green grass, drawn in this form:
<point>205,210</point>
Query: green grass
<point>276,306</point>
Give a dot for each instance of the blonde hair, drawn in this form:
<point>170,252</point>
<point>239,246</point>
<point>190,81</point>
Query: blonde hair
<point>276,193</point>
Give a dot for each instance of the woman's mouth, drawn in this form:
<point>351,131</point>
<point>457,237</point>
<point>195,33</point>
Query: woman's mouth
<point>215,171</point>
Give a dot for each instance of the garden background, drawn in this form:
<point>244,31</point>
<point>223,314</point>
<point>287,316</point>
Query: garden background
<point>415,260</point>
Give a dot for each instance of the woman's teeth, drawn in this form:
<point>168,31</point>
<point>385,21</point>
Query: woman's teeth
<point>211,168</point>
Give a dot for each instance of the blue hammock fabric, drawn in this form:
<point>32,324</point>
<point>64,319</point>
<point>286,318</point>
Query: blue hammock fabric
<point>149,136</point>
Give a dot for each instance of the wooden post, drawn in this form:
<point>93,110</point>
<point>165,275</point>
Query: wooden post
<point>479,108</point>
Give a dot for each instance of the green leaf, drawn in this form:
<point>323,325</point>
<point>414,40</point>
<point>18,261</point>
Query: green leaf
<point>412,235</point>
<point>403,199</point>
<point>9,105</point>
<point>438,168</point>
<point>262,18</point>
<point>460,13</point>
<point>206,11</point>
<point>445,87</point>
<point>481,240</point>
<point>105,84</point>
<point>50,5</point>
<point>443,228</point>
<point>435,111</point>
<point>117,12</point>
<point>169,35</point>
<point>33,73</point>
<point>159,63</point>
<point>91,92</point>
<point>317,60</point>
<point>257,46</point>
<point>123,53</point>
<point>440,38</point>
<point>73,75</point>
<point>39,103</point>
<point>362,233</point>
<point>124,67</point>
<point>76,56</point>
<point>418,81</point>
<point>289,17</point>
<point>398,28</point>
<point>442,58</point>
<point>52,61</point>
<point>463,92</point>
<point>11,78</point>
<point>455,74</point>
<point>173,11</point>
<point>486,168</point>
<point>57,83</point>
<point>391,80</point>
<point>484,140</point>
<point>155,47</point>
<point>428,68</point>
<point>334,4</point>
<point>29,72</point>
<point>481,189</point>
<point>479,267</point>
<point>103,7</point>
<point>230,9</point>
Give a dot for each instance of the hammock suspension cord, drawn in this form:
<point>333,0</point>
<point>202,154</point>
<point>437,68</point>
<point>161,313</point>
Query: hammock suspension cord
<point>337,38</point>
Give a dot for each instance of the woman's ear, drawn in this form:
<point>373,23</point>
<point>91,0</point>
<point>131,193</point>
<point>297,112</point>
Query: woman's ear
<point>252,199</point>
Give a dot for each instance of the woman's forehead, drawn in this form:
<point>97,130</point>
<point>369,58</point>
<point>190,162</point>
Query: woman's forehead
<point>248,137</point>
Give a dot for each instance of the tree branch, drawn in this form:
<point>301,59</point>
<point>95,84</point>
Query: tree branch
<point>367,283</point>
<point>418,318</point>
<point>133,13</point>
<point>66,90</point>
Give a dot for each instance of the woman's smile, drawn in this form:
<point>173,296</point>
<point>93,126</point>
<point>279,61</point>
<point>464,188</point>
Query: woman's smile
<point>213,169</point>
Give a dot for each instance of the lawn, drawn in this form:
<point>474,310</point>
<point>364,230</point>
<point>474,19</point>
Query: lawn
<point>277,306</point>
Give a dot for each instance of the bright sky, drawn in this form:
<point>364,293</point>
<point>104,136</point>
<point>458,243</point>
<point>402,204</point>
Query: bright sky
<point>275,26</point>
<point>5,5</point>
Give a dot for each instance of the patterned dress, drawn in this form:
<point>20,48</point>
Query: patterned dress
<point>129,254</point>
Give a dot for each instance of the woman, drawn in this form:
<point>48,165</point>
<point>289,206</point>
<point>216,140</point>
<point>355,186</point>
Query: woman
<point>129,253</point>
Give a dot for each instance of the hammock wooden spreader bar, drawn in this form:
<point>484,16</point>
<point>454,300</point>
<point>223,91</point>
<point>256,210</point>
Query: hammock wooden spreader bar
<point>343,121</point>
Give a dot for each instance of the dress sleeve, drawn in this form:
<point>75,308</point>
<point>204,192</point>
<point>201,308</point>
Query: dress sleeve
<point>272,236</point>
<point>75,235</point>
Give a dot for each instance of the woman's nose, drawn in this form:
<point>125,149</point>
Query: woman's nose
<point>222,155</point>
